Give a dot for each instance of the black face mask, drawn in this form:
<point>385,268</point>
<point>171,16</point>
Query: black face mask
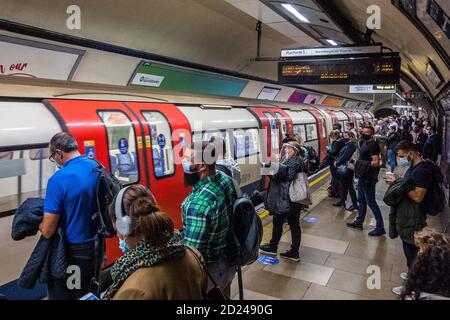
<point>366,137</point>
<point>191,179</point>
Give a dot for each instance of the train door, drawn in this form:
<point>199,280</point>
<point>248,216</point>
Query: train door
<point>167,132</point>
<point>351,117</point>
<point>109,132</point>
<point>334,117</point>
<point>364,116</point>
<point>287,125</point>
<point>322,132</point>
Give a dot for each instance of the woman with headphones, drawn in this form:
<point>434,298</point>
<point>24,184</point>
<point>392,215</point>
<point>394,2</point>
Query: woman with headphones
<point>156,265</point>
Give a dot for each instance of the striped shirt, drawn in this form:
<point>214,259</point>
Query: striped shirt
<point>206,216</point>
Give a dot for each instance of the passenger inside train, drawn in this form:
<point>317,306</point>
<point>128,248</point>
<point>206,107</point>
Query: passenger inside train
<point>152,152</point>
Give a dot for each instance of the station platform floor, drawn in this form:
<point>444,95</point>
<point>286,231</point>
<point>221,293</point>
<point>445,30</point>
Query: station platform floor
<point>334,258</point>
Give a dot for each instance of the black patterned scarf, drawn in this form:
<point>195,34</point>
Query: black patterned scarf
<point>144,255</point>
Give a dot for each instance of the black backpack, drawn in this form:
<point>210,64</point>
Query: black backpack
<point>244,234</point>
<point>436,202</point>
<point>108,186</point>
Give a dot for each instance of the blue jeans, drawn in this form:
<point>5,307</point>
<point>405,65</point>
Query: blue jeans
<point>392,159</point>
<point>366,197</point>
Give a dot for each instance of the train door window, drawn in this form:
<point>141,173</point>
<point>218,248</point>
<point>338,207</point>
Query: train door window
<point>283,123</point>
<point>121,146</point>
<point>273,132</point>
<point>300,130</point>
<point>311,132</point>
<point>161,138</point>
<point>246,142</point>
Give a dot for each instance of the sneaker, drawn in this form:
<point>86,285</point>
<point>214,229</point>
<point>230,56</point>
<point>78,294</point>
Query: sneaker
<point>397,290</point>
<point>404,276</point>
<point>352,208</point>
<point>377,233</point>
<point>339,204</point>
<point>290,255</point>
<point>268,249</point>
<point>355,225</point>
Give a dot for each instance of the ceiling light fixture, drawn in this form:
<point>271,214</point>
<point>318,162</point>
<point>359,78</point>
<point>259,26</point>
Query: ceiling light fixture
<point>332,42</point>
<point>295,12</point>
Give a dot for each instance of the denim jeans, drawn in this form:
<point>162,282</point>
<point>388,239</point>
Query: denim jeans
<point>82,256</point>
<point>347,187</point>
<point>366,197</point>
<point>392,159</point>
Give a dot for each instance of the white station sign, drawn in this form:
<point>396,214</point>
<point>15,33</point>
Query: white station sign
<point>268,93</point>
<point>373,89</point>
<point>336,51</point>
<point>34,59</point>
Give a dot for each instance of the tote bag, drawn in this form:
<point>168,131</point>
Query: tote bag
<point>299,191</point>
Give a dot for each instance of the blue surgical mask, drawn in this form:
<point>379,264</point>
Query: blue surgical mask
<point>124,246</point>
<point>404,162</point>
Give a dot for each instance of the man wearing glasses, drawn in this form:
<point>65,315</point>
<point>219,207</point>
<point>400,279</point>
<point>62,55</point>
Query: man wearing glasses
<point>70,202</point>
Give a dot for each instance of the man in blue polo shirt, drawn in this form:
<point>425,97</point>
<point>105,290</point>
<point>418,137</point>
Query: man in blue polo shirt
<point>71,202</point>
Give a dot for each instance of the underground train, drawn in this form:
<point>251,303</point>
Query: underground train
<point>139,141</point>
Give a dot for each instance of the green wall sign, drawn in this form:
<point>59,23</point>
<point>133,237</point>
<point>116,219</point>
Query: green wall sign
<point>155,75</point>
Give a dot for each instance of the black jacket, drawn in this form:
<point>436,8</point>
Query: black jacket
<point>392,140</point>
<point>278,200</point>
<point>432,148</point>
<point>406,216</point>
<point>49,256</point>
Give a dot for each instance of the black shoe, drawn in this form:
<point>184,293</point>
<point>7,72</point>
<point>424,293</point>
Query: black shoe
<point>377,233</point>
<point>355,225</point>
<point>352,208</point>
<point>339,204</point>
<point>291,255</point>
<point>268,249</point>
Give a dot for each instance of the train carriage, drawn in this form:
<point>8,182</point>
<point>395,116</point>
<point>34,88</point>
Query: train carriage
<point>141,140</point>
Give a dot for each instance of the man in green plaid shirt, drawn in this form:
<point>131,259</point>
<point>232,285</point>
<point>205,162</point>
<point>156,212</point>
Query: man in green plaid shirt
<point>206,211</point>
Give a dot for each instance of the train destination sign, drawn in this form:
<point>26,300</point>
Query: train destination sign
<point>362,71</point>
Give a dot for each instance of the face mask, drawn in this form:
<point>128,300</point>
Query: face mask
<point>366,137</point>
<point>59,166</point>
<point>404,162</point>
<point>124,247</point>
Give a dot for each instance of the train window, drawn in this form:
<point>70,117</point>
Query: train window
<point>273,132</point>
<point>283,123</point>
<point>121,145</point>
<point>23,175</point>
<point>245,142</point>
<point>161,137</point>
<point>300,130</point>
<point>311,132</point>
<point>38,154</point>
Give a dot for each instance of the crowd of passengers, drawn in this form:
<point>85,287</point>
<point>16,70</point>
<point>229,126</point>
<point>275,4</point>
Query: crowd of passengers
<point>160,262</point>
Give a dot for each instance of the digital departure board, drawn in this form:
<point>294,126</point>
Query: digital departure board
<point>340,71</point>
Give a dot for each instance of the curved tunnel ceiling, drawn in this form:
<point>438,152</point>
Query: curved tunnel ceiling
<point>399,34</point>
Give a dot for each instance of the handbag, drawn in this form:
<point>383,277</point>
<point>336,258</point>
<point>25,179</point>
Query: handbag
<point>215,293</point>
<point>299,191</point>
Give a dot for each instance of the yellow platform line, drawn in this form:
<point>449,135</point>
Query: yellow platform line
<point>265,213</point>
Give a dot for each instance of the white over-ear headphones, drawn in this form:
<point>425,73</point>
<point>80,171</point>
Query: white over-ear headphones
<point>123,222</point>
